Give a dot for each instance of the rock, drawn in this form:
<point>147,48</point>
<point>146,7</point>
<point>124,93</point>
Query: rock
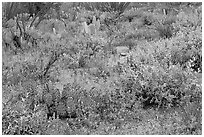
<point>122,50</point>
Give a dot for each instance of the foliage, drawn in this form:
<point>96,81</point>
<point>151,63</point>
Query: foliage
<point>57,79</point>
<point>106,6</point>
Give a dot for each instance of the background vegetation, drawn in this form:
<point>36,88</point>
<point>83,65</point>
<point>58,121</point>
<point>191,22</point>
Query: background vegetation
<point>56,79</point>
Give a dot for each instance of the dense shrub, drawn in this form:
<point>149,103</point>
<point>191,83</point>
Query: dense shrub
<point>65,81</point>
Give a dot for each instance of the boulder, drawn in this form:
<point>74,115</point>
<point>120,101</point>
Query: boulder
<point>122,50</point>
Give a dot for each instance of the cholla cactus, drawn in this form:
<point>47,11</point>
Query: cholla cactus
<point>85,28</point>
<point>94,20</point>
<point>97,25</point>
<point>93,28</point>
